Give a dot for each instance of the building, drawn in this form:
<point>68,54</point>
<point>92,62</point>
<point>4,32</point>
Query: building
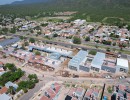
<point>97,61</point>
<point>8,84</point>
<point>92,94</point>
<point>122,65</point>
<point>109,66</point>
<point>75,94</point>
<point>52,92</point>
<point>3,90</point>
<point>100,62</point>
<point>85,65</point>
<point>7,42</point>
<point>74,63</point>
<point>5,97</point>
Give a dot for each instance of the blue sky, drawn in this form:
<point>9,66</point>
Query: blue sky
<point>2,2</point>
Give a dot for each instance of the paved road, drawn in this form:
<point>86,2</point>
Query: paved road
<point>31,92</point>
<point>69,45</point>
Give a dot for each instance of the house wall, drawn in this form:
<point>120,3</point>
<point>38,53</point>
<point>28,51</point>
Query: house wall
<point>112,70</point>
<point>84,68</point>
<point>119,67</point>
<point>73,68</point>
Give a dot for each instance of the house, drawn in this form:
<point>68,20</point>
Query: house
<point>97,61</point>
<point>76,60</point>
<point>7,42</point>
<point>3,90</point>
<point>8,84</point>
<point>5,97</point>
<point>52,92</point>
<point>122,65</point>
<point>92,94</point>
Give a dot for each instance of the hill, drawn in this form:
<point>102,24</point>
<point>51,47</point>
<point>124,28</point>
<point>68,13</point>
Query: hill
<point>91,10</point>
<point>30,1</point>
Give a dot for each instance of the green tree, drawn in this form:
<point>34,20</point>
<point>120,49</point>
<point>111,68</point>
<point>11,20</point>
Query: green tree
<point>76,40</point>
<point>32,40</point>
<point>108,49</point>
<point>37,53</point>
<point>11,90</point>
<point>92,52</point>
<point>13,30</point>
<point>87,39</point>
<point>26,43</point>
<point>55,35</point>
<point>10,66</point>
<point>114,44</point>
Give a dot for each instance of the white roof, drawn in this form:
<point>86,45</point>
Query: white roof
<point>122,62</point>
<point>98,60</point>
<point>5,97</point>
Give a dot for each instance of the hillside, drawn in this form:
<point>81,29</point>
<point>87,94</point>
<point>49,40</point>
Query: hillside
<point>30,1</point>
<point>91,10</point>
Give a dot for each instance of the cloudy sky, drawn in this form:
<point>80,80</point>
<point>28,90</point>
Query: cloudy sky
<point>2,2</point>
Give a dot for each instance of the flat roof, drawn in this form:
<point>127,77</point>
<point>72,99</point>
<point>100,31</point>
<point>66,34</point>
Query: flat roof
<point>4,97</point>
<point>9,41</point>
<point>76,60</point>
<point>122,62</point>
<point>98,60</point>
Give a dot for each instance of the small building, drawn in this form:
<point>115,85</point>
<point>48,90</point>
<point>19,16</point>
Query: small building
<point>98,61</point>
<point>76,60</point>
<point>122,65</point>
<point>7,42</point>
<point>5,97</point>
<point>109,66</point>
<point>8,84</point>
<point>92,94</point>
<point>3,90</point>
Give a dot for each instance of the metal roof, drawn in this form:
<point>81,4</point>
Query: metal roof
<point>4,97</point>
<point>55,56</point>
<point>98,60</point>
<point>8,84</point>
<point>76,60</point>
<point>9,41</point>
<point>46,50</point>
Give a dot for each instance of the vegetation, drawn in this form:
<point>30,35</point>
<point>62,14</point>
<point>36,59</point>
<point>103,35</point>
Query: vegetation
<point>37,53</point>
<point>76,40</point>
<point>92,52</point>
<point>29,84</point>
<point>106,42</point>
<point>32,40</point>
<point>44,24</point>
<point>55,35</point>
<point>109,89</point>
<point>87,39</point>
<point>107,11</point>
<point>10,67</point>
<point>13,30</point>
<point>11,76</point>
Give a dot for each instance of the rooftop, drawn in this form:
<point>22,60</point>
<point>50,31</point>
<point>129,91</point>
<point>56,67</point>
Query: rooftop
<point>3,90</point>
<point>98,60</point>
<point>122,62</point>
<point>76,60</point>
<point>4,97</point>
<point>9,41</point>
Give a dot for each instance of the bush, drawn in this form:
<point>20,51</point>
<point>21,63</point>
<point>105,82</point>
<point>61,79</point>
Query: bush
<point>76,40</point>
<point>55,35</point>
<point>32,40</point>
<point>37,53</point>
<point>93,52</point>
<point>87,39</point>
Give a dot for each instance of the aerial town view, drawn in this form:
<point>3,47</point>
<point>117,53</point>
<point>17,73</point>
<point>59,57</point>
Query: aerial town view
<point>64,50</point>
